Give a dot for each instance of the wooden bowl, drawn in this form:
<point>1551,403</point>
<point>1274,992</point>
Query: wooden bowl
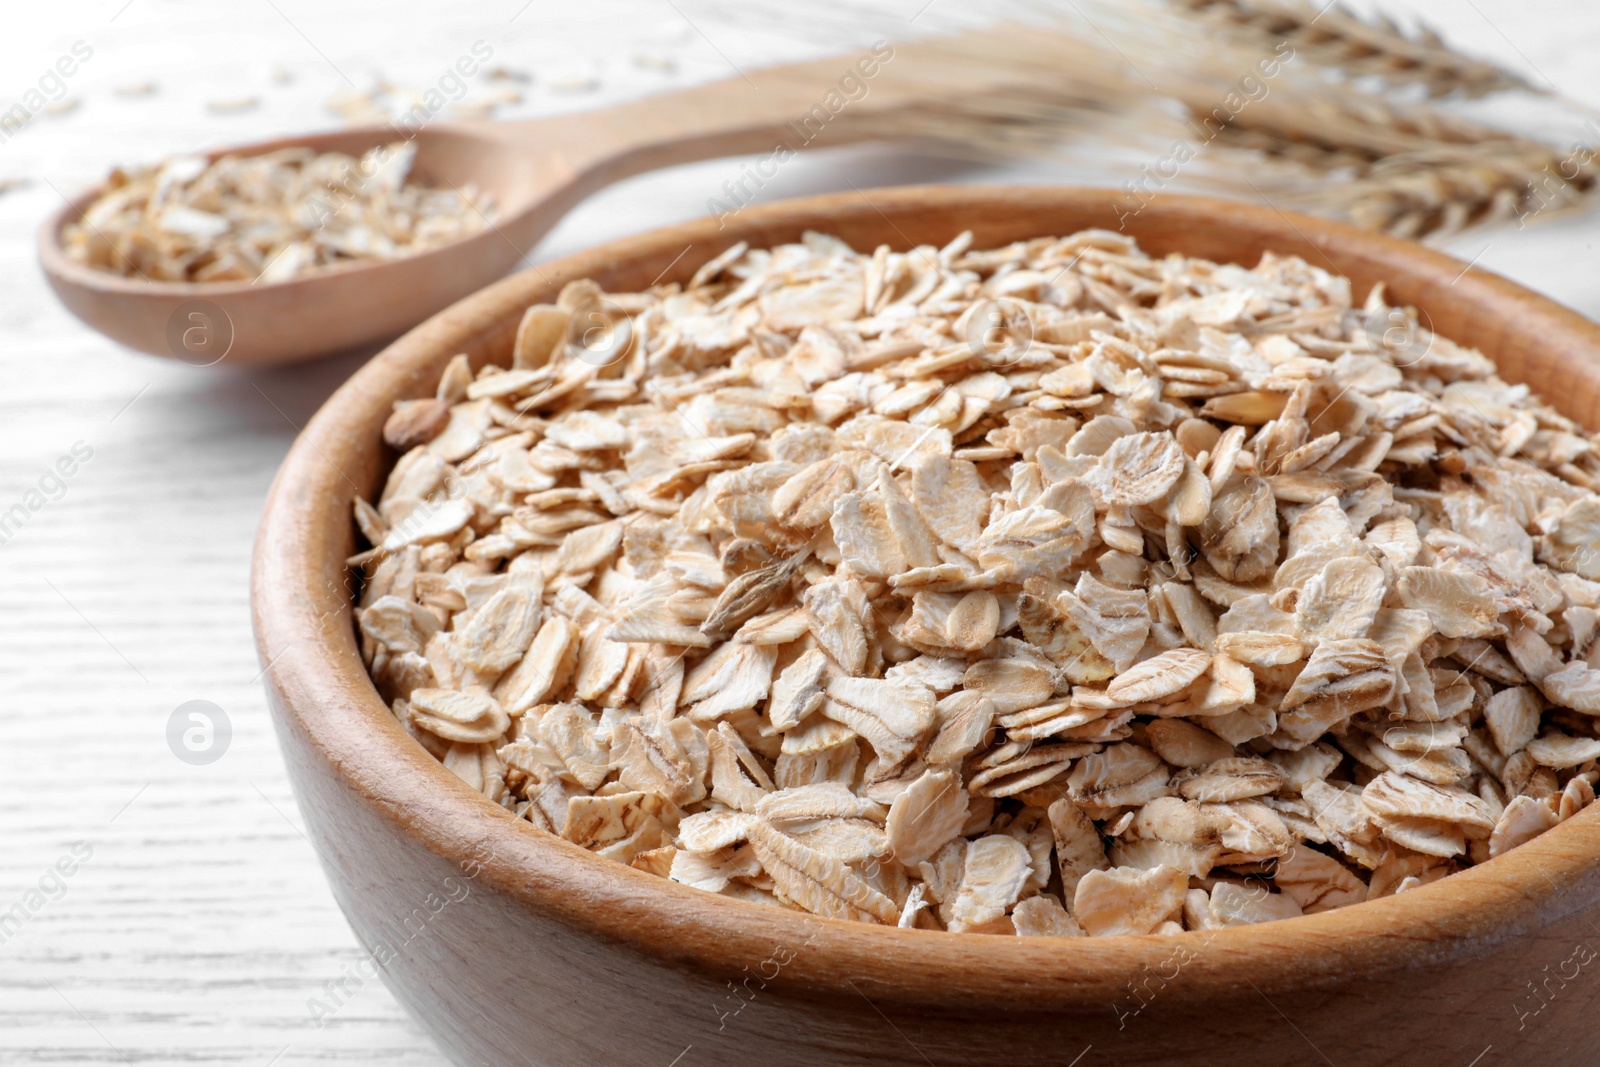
<point>514,947</point>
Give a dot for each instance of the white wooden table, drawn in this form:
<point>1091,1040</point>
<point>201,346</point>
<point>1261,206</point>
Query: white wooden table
<point>198,928</point>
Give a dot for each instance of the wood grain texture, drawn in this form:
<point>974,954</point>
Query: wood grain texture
<point>203,924</point>
<point>538,918</point>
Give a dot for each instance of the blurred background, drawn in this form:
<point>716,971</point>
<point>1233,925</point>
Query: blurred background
<point>160,908</point>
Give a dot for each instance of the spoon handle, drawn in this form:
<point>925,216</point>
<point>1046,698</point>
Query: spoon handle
<point>841,98</point>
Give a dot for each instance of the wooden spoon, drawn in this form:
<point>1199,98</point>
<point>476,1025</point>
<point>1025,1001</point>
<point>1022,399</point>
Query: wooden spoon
<point>536,170</point>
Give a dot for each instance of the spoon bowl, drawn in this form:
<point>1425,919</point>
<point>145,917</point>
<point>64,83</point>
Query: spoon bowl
<point>336,308</point>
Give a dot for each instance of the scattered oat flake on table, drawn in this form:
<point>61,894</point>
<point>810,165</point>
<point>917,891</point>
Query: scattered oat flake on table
<point>1206,606</point>
<point>573,83</point>
<point>354,105</point>
<point>233,105</point>
<point>485,104</point>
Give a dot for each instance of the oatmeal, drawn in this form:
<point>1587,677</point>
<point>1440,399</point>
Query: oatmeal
<point>268,218</point>
<point>1049,590</point>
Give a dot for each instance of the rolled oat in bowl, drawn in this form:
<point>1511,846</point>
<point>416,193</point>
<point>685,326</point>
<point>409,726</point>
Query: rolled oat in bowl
<point>1049,590</point>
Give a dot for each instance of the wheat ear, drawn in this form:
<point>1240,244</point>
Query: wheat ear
<point>1374,46</point>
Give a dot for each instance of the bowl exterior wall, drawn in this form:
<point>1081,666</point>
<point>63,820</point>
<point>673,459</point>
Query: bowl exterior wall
<point>498,983</point>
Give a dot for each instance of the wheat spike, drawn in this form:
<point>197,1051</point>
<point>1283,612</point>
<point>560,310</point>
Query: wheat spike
<point>1409,170</point>
<point>1341,120</point>
<point>1375,46</point>
<point>1438,193</point>
<point>1407,167</point>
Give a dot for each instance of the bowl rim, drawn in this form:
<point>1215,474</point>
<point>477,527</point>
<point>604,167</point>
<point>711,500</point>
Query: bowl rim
<point>321,691</point>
